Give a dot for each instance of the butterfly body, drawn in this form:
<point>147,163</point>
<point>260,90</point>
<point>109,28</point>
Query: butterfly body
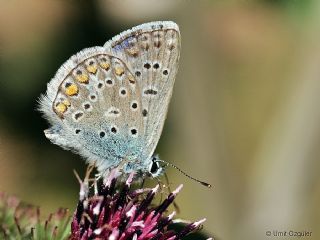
<point>109,103</point>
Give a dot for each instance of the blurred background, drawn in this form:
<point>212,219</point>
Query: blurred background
<point>244,116</point>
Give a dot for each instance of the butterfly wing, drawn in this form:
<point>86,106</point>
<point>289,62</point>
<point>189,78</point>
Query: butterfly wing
<point>92,104</point>
<point>109,103</point>
<point>152,52</point>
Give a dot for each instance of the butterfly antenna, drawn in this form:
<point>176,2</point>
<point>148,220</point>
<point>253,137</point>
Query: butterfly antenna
<point>184,173</point>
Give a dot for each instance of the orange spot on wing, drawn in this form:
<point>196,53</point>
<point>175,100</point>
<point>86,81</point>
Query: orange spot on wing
<point>72,90</point>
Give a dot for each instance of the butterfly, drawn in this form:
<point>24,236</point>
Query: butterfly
<point>109,103</point>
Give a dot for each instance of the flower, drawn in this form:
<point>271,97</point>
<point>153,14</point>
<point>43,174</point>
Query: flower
<point>121,213</point>
<point>19,220</point>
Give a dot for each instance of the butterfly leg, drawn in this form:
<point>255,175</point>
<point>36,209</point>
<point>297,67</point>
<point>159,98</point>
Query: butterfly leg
<point>176,207</point>
<point>142,183</point>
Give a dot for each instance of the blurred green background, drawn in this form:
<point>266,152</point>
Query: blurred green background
<point>244,116</point>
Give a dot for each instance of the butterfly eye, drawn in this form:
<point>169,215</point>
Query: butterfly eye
<point>155,169</point>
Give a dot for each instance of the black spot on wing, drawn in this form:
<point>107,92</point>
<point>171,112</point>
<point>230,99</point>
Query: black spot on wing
<point>150,92</point>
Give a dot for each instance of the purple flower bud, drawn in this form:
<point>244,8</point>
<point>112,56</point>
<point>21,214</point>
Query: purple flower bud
<point>117,212</point>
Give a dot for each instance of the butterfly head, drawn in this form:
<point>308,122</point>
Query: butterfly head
<point>155,169</point>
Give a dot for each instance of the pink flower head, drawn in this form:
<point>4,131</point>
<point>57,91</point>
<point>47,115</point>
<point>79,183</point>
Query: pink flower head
<point>117,212</point>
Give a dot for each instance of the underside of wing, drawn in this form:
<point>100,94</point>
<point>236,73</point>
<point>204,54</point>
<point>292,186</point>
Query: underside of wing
<point>93,103</point>
<point>151,51</point>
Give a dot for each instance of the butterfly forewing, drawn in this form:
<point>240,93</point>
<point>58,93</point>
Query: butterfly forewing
<point>152,52</point>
